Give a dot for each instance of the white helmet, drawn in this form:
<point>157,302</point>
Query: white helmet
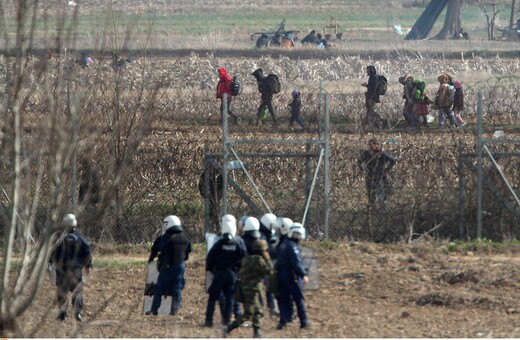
<point>70,221</point>
<point>242,221</point>
<point>229,227</point>
<point>297,228</point>
<point>251,223</point>
<point>172,221</point>
<point>252,227</point>
<point>268,220</point>
<point>286,225</point>
<point>228,217</point>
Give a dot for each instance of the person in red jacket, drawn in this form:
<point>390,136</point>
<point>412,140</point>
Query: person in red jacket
<point>224,86</point>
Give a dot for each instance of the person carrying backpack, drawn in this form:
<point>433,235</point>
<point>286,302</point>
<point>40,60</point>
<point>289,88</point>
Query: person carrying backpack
<point>267,86</point>
<point>420,103</point>
<point>372,97</point>
<point>444,100</point>
<point>70,256</point>
<point>408,95</point>
<point>224,87</point>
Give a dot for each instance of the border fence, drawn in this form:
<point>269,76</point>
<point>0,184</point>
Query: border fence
<point>311,173</point>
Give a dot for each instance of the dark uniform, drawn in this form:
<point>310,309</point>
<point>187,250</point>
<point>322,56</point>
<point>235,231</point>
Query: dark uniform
<point>290,274</point>
<point>376,165</point>
<point>173,249</point>
<point>70,257</point>
<point>223,260</point>
<point>254,268</point>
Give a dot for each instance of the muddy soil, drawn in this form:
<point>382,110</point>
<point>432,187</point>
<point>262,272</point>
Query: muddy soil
<point>366,290</point>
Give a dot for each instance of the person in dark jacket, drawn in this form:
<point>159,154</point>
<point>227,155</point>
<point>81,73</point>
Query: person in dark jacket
<point>224,87</point>
<point>223,261</point>
<point>310,39</point>
<point>70,256</point>
<point>372,97</point>
<point>88,183</point>
<point>173,249</point>
<point>458,102</point>
<point>266,96</point>
<point>262,41</point>
<point>292,276</point>
<point>296,107</point>
<point>408,95</point>
<point>254,269</point>
<point>376,164</point>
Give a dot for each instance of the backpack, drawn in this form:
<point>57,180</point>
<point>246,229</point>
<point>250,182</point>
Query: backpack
<point>235,86</point>
<point>418,92</point>
<point>381,85</point>
<point>273,83</point>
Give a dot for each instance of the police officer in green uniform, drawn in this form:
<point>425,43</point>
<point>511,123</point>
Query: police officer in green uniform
<point>254,268</point>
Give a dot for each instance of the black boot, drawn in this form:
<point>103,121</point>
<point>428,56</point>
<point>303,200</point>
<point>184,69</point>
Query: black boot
<point>228,328</point>
<point>256,332</point>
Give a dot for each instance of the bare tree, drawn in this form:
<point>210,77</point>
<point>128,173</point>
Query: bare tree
<point>490,19</point>
<point>53,110</point>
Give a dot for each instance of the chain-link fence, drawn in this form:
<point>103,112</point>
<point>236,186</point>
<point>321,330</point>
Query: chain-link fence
<point>423,199</point>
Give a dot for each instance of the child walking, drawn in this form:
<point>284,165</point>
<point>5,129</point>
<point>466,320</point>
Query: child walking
<point>296,106</point>
<point>458,102</point>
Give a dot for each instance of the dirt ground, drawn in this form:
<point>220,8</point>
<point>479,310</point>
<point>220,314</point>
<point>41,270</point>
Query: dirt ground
<point>366,290</point>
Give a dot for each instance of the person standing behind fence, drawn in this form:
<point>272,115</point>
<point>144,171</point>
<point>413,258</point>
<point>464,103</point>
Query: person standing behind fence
<point>296,107</point>
<point>376,164</point>
<point>173,249</point>
<point>408,94</point>
<point>224,87</point>
<point>70,256</point>
<point>266,90</point>
<point>458,102</point>
<point>444,100</point>
<point>372,96</point>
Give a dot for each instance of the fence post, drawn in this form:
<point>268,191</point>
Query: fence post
<point>207,216</point>
<point>326,184</point>
<point>225,154</point>
<point>479,163</point>
<point>461,190</point>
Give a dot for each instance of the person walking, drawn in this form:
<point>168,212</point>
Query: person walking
<point>444,100</point>
<point>458,102</point>
<point>408,95</point>
<point>224,87</point>
<point>292,275</point>
<point>296,107</point>
<point>71,255</point>
<point>255,267</point>
<point>223,261</point>
<point>172,249</point>
<point>372,97</point>
<point>266,90</point>
<point>376,164</point>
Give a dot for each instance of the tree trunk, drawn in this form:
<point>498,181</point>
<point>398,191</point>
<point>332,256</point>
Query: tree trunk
<point>452,14</point>
<point>512,18</point>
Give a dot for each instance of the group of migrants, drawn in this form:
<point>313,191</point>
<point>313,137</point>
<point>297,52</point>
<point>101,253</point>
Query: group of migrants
<point>449,100</point>
<point>268,86</point>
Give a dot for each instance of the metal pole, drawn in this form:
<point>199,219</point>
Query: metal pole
<point>461,191</point>
<point>326,182</point>
<point>315,178</point>
<point>207,222</point>
<point>509,186</point>
<point>75,154</point>
<point>250,179</point>
<point>479,163</point>
<point>225,155</point>
<point>308,175</point>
